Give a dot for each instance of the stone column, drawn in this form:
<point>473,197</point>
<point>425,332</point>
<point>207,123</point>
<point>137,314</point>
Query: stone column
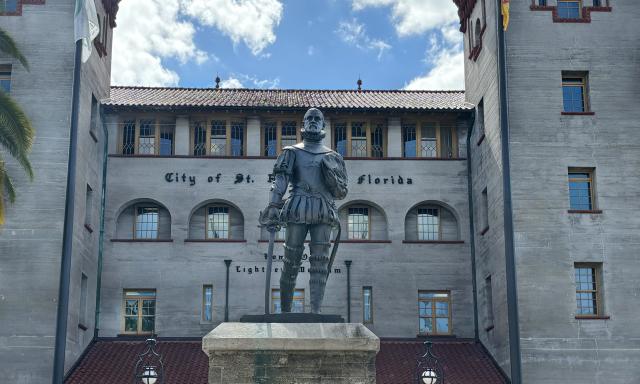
<point>114,132</point>
<point>300,353</point>
<point>182,136</point>
<point>253,136</point>
<point>394,146</point>
<point>328,133</point>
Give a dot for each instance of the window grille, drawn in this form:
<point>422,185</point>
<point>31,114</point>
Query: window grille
<point>587,290</point>
<point>237,138</point>
<point>147,140</point>
<point>199,139</point>
<point>129,137</point>
<point>218,223</point>
<point>428,224</point>
<point>358,223</point>
<point>288,137</point>
<point>581,195</point>
<point>340,138</point>
<point>271,138</point>
<point>434,312</point>
<point>218,144</point>
<point>139,312</point>
<point>146,226</point>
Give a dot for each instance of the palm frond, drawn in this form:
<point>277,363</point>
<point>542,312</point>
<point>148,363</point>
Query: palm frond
<point>8,46</point>
<point>16,131</point>
<point>5,185</point>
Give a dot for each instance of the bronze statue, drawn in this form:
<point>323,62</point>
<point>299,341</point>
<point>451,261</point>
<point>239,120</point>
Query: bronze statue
<point>317,176</point>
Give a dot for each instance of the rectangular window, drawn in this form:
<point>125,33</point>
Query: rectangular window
<point>367,305</point>
<point>167,128</point>
<point>8,6</point>
<point>289,134</point>
<point>147,137</point>
<point>569,9</point>
<point>434,312</point>
<point>597,3</point>
<point>480,118</point>
<point>218,137</point>
<point>207,303</point>
<point>429,139</point>
<point>139,312</point>
<point>360,138</point>
<point>297,306</point>
<point>574,92</point>
<point>488,294</point>
<point>484,214</point>
<point>146,226</point>
<point>88,206</point>
<point>270,132</point>
<point>358,223</point>
<point>542,3</point>
<point>82,315</point>
<point>5,77</point>
<point>581,189</point>
<point>428,224</point>
<point>218,222</point>
<point>280,235</point>
<point>95,117</point>
<point>588,289</point>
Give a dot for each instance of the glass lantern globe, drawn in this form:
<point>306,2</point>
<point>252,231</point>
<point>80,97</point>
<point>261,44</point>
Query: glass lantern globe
<point>149,375</point>
<point>429,376</point>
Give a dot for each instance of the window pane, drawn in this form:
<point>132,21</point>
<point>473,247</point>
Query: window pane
<point>131,307</point>
<point>237,138</point>
<point>5,77</point>
<point>8,6</point>
<point>131,323</point>
<point>428,140</point>
<point>442,325</point>
<point>428,224</point>
<point>289,137</point>
<point>426,308</point>
<point>128,137</point>
<point>218,144</point>
<point>147,140</point>
<point>426,325</point>
<point>358,139</point>
<point>446,142</point>
<point>377,140</point>
<point>580,194</point>
<point>166,138</point>
<point>218,223</point>
<point>358,223</point>
<point>409,140</point>
<point>147,223</point>
<point>569,9</point>
<point>208,303</point>
<point>270,139</point>
<point>340,138</point>
<point>199,138</point>
<point>366,303</point>
<point>148,323</point>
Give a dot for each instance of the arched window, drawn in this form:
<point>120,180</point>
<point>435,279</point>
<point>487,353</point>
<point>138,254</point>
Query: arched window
<point>477,33</point>
<point>216,220</point>
<point>144,220</point>
<point>431,222</point>
<point>363,221</point>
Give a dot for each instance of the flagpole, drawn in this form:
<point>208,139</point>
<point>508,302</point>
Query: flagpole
<point>67,237</point>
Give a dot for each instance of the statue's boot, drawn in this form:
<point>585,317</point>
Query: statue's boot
<point>319,270</point>
<point>292,261</point>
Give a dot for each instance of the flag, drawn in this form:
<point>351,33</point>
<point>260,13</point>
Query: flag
<point>86,26</point>
<point>505,14</point>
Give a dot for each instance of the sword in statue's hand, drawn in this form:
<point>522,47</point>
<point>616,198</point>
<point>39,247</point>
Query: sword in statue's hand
<point>272,226</point>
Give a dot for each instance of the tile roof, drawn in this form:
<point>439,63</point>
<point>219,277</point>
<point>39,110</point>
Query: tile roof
<point>168,98</point>
<point>112,361</point>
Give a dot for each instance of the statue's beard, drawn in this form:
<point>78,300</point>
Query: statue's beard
<point>313,135</point>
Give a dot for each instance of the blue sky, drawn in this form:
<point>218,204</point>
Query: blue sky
<point>390,44</point>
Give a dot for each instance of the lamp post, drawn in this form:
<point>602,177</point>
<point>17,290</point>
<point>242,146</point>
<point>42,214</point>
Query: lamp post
<point>149,368</point>
<point>429,370</point>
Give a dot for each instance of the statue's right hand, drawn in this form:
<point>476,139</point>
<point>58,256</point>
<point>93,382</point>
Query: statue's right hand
<point>270,216</point>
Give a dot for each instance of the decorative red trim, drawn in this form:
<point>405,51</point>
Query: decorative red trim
<point>593,317</point>
<point>588,211</point>
<point>433,241</point>
<point>484,231</point>
<point>215,241</point>
<point>266,241</point>
<point>88,228</point>
<point>481,139</point>
<point>577,113</point>
<point>353,241</point>
<point>142,240</point>
<point>586,13</point>
<point>19,5</point>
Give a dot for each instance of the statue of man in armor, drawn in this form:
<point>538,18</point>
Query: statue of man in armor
<point>317,176</point>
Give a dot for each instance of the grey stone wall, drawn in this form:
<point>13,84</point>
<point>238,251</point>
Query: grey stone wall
<point>179,269</point>
<point>549,240</point>
<point>31,239</point>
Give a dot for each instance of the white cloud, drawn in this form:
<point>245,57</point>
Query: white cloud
<point>141,42</point>
<point>413,17</point>
<point>231,82</point>
<point>354,33</point>
<point>447,71</point>
<point>250,21</point>
<point>241,80</point>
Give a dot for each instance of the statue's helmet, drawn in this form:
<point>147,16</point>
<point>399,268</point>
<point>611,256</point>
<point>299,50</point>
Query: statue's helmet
<point>313,124</point>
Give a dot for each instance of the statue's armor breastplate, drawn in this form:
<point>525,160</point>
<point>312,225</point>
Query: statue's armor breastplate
<point>307,175</point>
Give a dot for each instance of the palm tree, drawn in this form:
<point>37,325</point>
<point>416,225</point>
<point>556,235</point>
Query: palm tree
<point>16,131</point>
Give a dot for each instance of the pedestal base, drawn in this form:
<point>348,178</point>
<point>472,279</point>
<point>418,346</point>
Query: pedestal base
<point>290,353</point>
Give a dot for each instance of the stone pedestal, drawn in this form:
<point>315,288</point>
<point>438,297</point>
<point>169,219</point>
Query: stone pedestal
<point>270,353</point>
